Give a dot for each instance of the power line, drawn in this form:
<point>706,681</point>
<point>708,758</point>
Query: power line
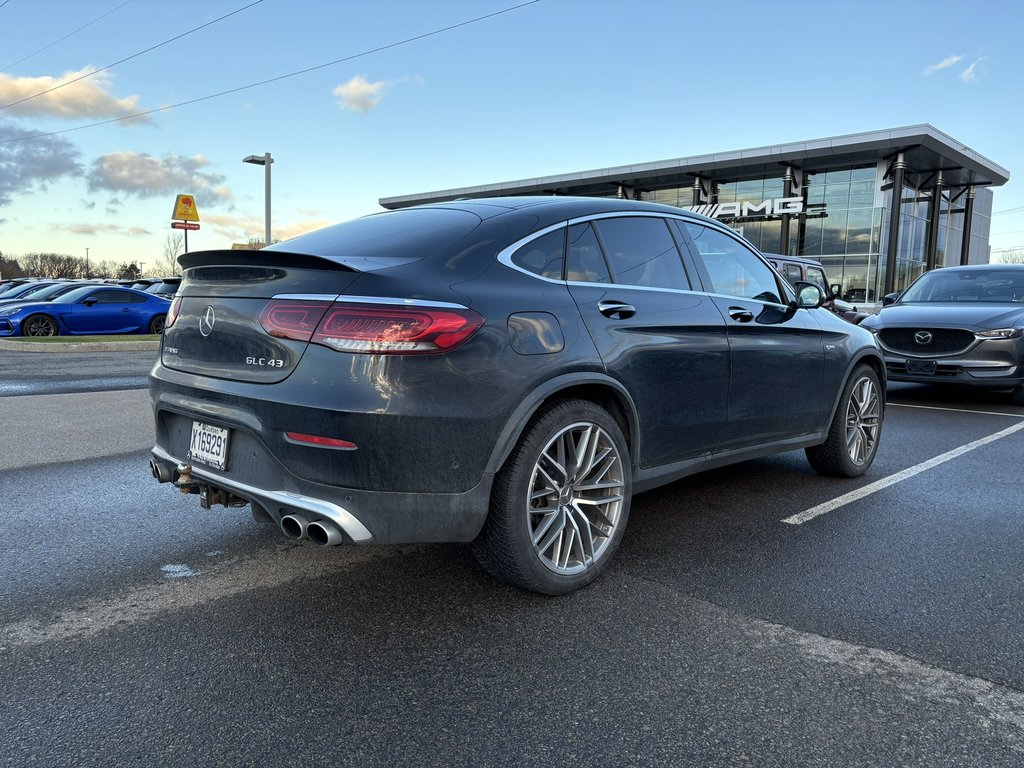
<point>273,79</point>
<point>129,58</point>
<point>61,40</point>
<point>1008,210</point>
<point>5,2</point>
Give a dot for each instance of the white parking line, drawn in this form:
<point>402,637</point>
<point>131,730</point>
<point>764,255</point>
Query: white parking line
<point>954,410</point>
<point>899,477</point>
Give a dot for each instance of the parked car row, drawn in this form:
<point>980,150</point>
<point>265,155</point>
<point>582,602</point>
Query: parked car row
<point>58,308</point>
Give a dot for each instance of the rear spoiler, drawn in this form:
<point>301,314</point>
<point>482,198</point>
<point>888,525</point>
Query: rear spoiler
<point>260,258</point>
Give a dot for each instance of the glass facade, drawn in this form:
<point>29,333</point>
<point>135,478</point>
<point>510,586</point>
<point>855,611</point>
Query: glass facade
<point>845,223</point>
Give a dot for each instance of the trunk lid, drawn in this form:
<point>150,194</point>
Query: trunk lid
<point>221,326</point>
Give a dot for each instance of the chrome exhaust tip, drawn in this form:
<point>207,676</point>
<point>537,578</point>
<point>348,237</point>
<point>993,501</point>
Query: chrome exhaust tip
<point>324,534</point>
<point>295,527</point>
<point>160,472</point>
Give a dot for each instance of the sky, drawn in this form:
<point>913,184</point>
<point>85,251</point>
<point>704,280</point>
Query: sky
<point>412,99</point>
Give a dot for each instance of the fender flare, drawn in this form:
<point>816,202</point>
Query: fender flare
<point>516,423</point>
<point>861,356</point>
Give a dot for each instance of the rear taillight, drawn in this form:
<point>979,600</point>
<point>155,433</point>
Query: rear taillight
<point>395,330</point>
<point>173,311</point>
<point>292,319</point>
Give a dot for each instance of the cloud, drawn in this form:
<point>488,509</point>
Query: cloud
<point>105,229</point>
<point>360,95</point>
<point>28,164</point>
<point>946,63</point>
<point>143,176</point>
<point>241,228</point>
<point>86,98</point>
<point>973,72</point>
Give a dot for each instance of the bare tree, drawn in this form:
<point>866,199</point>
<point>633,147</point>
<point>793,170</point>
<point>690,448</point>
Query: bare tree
<point>1014,256</point>
<point>167,264</point>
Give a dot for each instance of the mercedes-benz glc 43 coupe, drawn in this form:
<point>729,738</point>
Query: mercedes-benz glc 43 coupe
<point>506,372</point>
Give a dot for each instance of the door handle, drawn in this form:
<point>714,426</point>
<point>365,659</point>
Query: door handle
<point>616,309</point>
<point>740,314</point>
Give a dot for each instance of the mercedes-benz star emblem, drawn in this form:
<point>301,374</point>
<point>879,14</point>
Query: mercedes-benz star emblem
<point>206,321</point>
<point>921,337</point>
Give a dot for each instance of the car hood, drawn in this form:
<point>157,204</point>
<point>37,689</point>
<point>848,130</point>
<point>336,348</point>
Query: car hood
<point>949,315</point>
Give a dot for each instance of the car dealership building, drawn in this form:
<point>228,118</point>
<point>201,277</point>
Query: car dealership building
<point>828,199</point>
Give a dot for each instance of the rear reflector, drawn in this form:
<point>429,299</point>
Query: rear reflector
<point>318,441</point>
<point>395,330</point>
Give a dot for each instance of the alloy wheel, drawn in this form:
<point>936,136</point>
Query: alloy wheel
<point>39,326</point>
<point>863,419</point>
<point>576,498</point>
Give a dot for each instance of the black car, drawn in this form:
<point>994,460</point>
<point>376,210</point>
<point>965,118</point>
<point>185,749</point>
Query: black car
<point>957,325</point>
<point>507,372</point>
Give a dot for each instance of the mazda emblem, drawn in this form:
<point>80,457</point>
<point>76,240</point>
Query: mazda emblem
<point>206,321</point>
<point>921,337</point>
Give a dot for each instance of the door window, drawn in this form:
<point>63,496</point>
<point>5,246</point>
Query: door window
<point>642,251</point>
<point>792,273</point>
<point>734,269</point>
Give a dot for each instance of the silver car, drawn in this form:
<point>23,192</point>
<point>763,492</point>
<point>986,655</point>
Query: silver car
<point>958,325</point>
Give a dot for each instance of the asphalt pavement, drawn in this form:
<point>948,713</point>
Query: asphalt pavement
<point>137,629</point>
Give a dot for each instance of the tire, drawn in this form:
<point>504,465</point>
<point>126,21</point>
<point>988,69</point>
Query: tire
<point>39,325</point>
<point>156,325</point>
<point>853,436</point>
<point>576,515</point>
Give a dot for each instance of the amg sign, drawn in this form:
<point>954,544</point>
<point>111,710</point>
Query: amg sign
<point>763,210</point>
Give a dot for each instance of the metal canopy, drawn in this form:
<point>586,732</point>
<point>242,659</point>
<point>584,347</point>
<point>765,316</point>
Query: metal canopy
<point>926,150</point>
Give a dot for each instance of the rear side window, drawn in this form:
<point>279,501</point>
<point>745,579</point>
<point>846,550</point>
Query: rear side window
<point>817,276</point>
<point>792,273</point>
<point>543,256</point>
<point>642,251</point>
<point>584,260</point>
<point>117,297</point>
<point>734,269</point>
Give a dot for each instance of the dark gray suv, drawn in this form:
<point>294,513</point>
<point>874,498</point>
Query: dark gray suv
<point>507,372</point>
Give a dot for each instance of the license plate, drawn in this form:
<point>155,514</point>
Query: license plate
<point>209,445</point>
<point>921,367</point>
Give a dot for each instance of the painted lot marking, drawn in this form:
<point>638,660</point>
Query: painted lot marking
<point>899,477</point>
<point>954,410</point>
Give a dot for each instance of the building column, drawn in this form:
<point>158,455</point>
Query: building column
<point>965,246</point>
<point>697,188</point>
<point>787,191</point>
<point>898,168</point>
<point>934,212</point>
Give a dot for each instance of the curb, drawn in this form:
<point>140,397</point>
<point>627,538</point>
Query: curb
<point>85,346</point>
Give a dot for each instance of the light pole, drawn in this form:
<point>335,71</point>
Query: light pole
<point>265,161</point>
<point>86,263</point>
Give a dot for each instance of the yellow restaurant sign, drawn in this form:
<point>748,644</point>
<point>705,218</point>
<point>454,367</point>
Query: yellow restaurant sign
<point>185,208</point>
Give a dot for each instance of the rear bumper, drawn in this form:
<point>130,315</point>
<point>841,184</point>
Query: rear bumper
<point>363,516</point>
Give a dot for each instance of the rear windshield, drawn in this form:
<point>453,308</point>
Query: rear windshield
<point>395,236</point>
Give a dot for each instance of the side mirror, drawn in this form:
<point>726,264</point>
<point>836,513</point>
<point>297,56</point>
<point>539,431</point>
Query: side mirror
<point>890,298</point>
<point>837,290</point>
<point>809,295</point>
<point>89,301</point>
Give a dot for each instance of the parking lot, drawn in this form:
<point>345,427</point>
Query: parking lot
<point>755,615</point>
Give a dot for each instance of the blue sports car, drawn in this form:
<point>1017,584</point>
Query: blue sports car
<point>91,309</point>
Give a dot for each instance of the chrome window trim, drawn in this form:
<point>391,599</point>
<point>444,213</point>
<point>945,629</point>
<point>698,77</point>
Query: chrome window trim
<point>505,254</point>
